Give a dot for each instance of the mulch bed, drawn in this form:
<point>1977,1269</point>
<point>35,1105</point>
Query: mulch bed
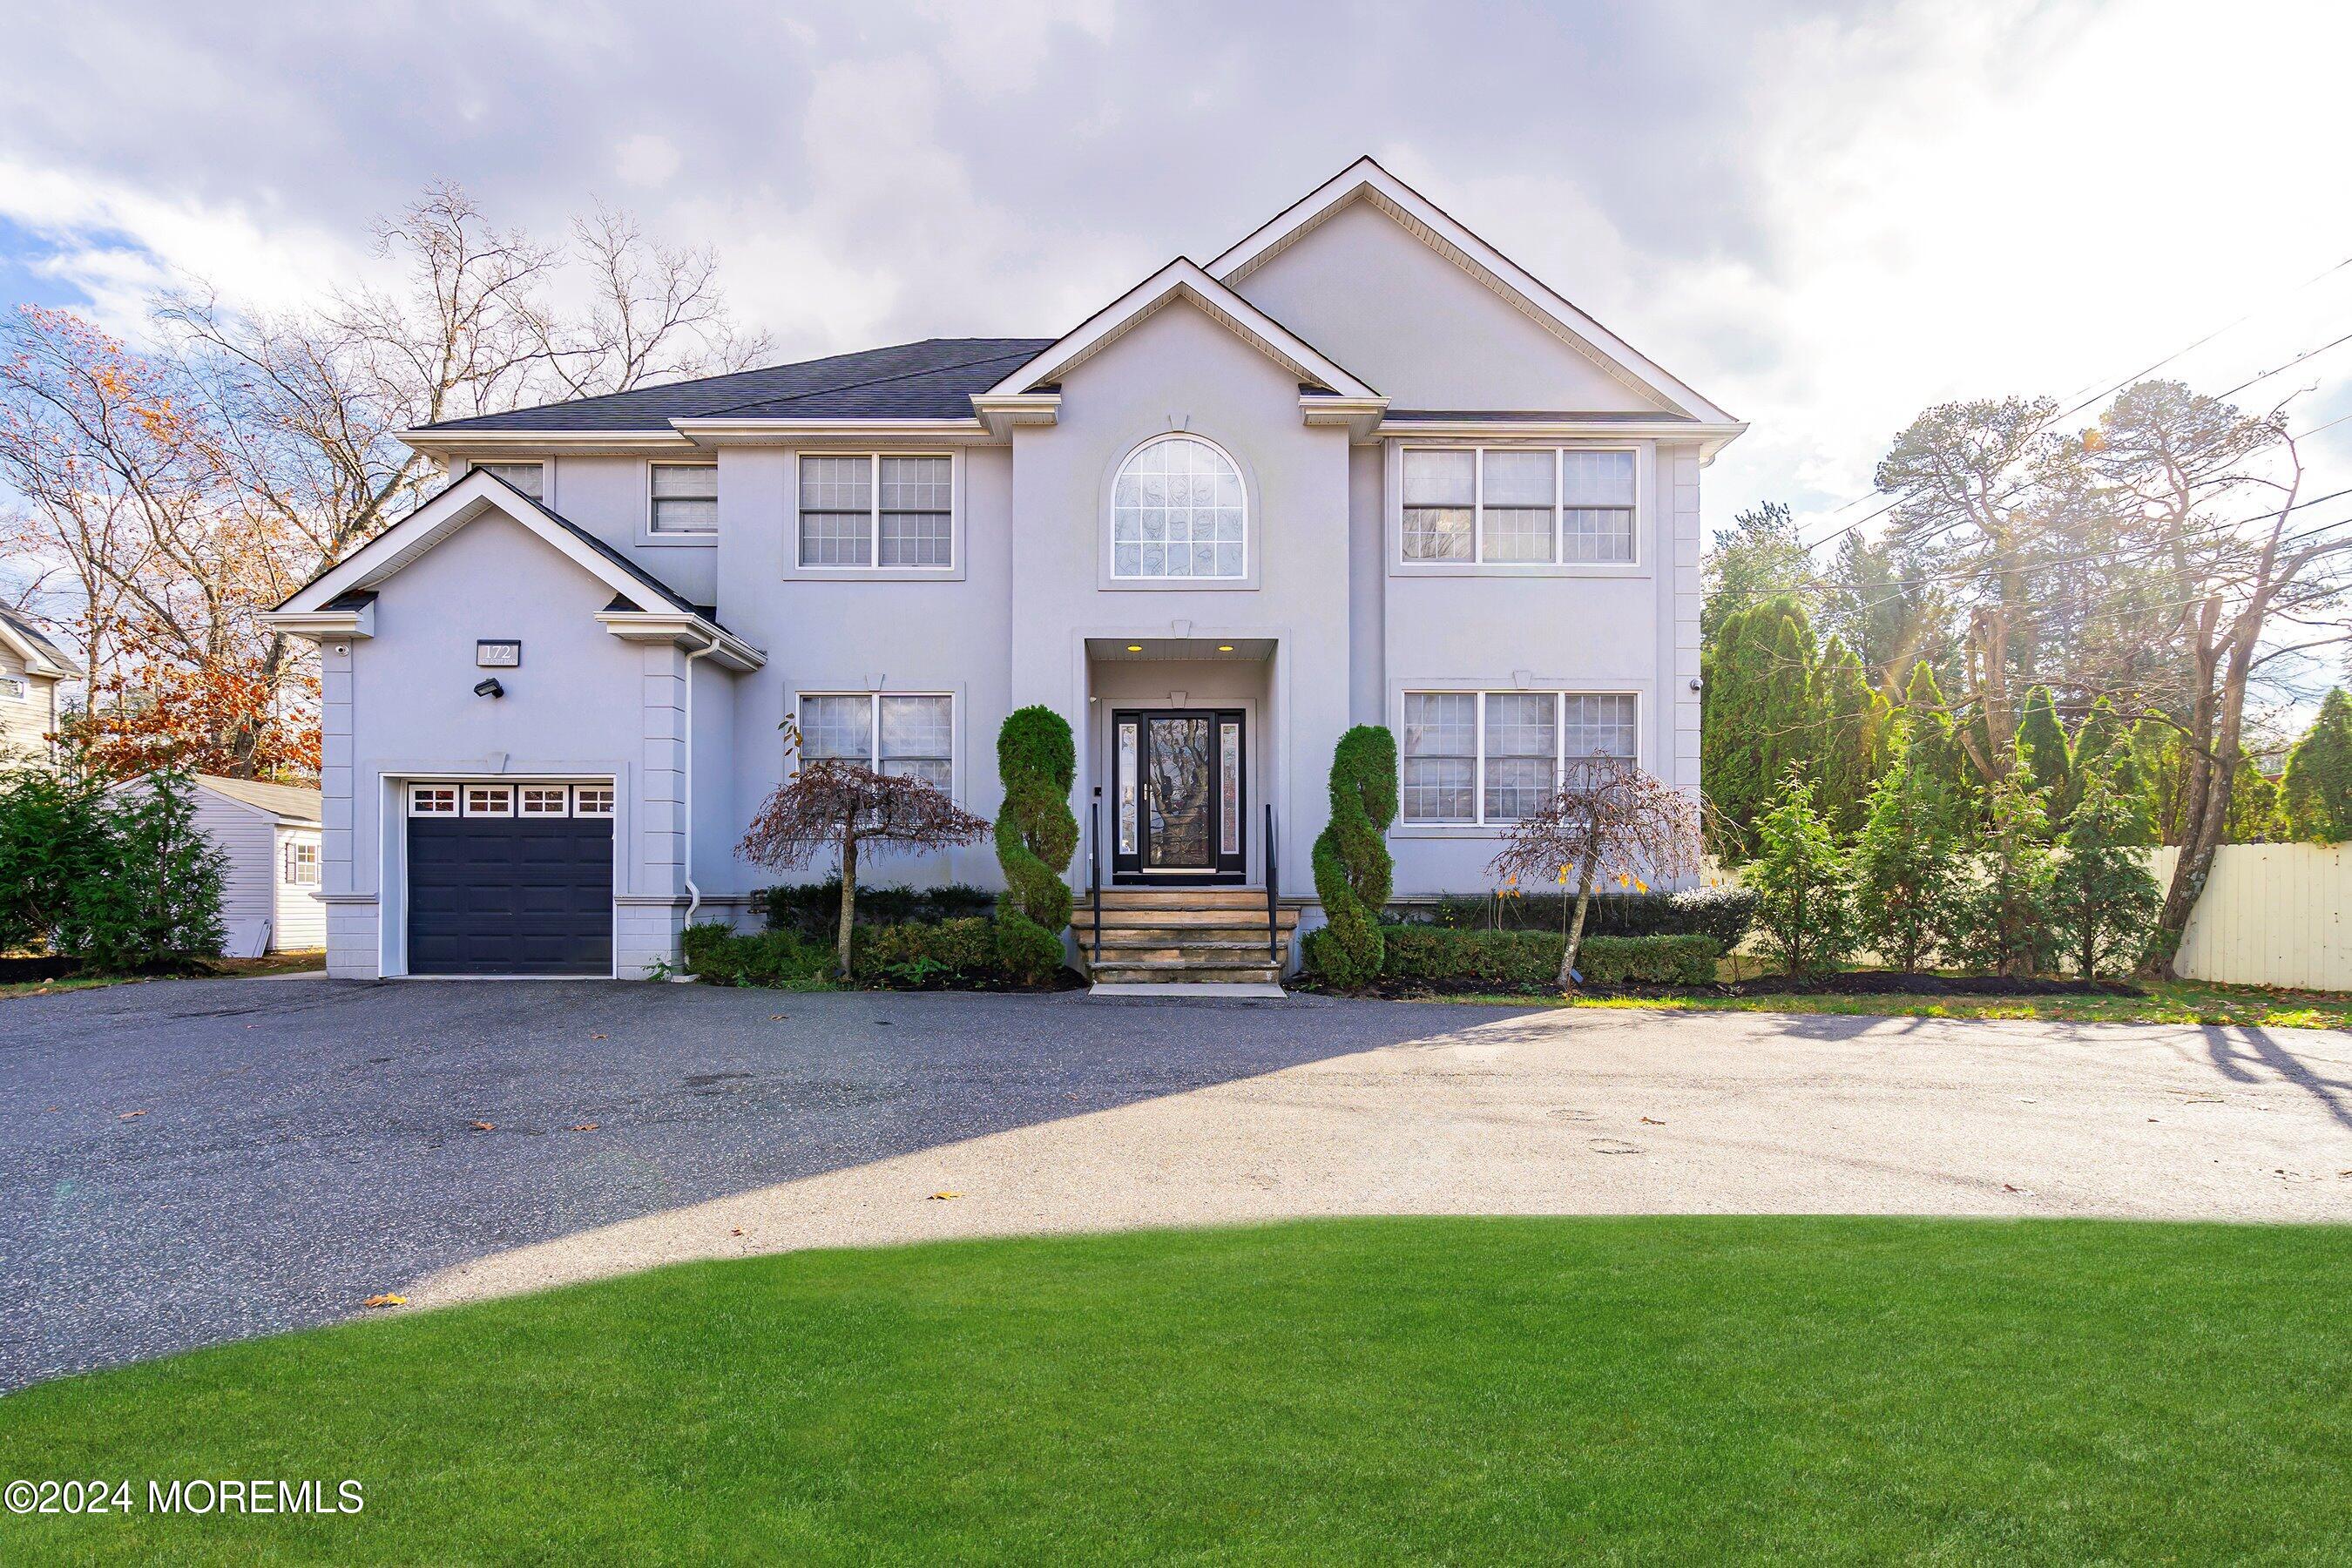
<point>17,968</point>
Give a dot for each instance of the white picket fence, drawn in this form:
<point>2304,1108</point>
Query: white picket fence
<point>2272,914</point>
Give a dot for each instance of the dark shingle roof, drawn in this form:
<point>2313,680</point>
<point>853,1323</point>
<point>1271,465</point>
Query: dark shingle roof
<point>932,379</point>
<point>23,627</point>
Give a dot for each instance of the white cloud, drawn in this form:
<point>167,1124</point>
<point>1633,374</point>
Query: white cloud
<point>645,159</point>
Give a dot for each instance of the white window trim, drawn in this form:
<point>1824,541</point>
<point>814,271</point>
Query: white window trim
<point>1400,565</point>
<point>872,570</point>
<point>546,467</point>
<point>1161,580</point>
<point>649,534</point>
<point>874,725</point>
<point>456,799</point>
<point>610,803</point>
<point>16,688</point>
<point>466,800</point>
<point>292,865</point>
<point>562,795</point>
<point>1477,823</point>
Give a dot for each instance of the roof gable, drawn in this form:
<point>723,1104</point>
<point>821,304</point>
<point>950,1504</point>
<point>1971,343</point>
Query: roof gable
<point>1184,280</point>
<point>29,643</point>
<point>286,803</point>
<point>1365,181</point>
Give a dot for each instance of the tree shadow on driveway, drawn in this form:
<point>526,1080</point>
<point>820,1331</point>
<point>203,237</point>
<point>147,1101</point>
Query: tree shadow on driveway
<point>191,1162</point>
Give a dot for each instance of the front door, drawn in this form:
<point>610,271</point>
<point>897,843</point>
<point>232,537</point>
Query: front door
<point>1179,809</point>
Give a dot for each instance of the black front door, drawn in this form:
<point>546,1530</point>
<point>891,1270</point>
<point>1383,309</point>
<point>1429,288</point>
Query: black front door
<point>1179,801</point>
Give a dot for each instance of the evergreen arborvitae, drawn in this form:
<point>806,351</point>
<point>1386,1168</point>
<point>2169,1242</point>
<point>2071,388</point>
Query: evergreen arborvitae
<point>2257,807</point>
<point>1804,897</point>
<point>1936,749</point>
<point>2318,790</point>
<point>1756,717</point>
<point>2042,746</point>
<point>1854,735</point>
<point>1906,862</point>
<point>2155,757</point>
<point>2106,898</point>
<point>2005,918</point>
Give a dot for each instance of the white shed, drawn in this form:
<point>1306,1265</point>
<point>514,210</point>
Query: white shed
<point>269,899</point>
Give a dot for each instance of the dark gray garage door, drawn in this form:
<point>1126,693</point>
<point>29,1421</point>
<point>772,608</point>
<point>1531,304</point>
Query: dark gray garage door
<point>509,895</point>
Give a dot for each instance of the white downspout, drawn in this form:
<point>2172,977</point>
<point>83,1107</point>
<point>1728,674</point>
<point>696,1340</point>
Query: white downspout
<point>693,893</point>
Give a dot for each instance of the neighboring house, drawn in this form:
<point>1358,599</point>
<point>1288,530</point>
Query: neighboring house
<point>269,833</point>
<point>31,669</point>
<point>1359,468</point>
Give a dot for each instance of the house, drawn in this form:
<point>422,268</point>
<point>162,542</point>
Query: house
<point>1359,467</point>
<point>31,669</point>
<point>269,837</point>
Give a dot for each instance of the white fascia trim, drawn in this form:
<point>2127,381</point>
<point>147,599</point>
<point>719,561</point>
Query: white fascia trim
<point>1360,416</point>
<point>318,625</point>
<point>1183,278</point>
<point>1711,438</point>
<point>1001,411</point>
<point>464,443</point>
<point>715,432</point>
<point>1422,216</point>
<point>384,555</point>
<point>686,631</point>
<point>36,661</point>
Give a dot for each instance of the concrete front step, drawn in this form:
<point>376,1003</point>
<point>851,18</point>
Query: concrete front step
<point>1108,974</point>
<point>1183,897</point>
<point>1083,919</point>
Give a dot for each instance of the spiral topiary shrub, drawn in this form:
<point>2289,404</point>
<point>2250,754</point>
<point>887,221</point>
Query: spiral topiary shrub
<point>1035,836</point>
<point>1353,870</point>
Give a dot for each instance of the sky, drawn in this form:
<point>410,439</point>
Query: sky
<point>1826,216</point>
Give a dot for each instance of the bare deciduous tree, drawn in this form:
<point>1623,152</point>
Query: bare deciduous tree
<point>842,806</point>
<point>1615,818</point>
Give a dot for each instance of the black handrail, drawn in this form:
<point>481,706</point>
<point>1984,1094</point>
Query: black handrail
<point>1094,874</point>
<point>1272,894</point>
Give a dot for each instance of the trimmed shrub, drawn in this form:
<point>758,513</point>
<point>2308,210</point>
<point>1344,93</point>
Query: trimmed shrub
<point>120,880</point>
<point>956,952</point>
<point>1353,871</point>
<point>1036,835</point>
<point>718,954</point>
<point>1723,913</point>
<point>1529,960</point>
<point>810,909</point>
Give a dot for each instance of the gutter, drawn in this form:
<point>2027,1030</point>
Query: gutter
<point>693,893</point>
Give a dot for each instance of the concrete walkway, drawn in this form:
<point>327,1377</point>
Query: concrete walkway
<point>1590,1112</point>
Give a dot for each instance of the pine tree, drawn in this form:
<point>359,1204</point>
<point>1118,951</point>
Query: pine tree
<point>2042,746</point>
<point>2318,790</point>
<point>2105,897</point>
<point>2155,757</point>
<point>2005,919</point>
<point>1853,737</point>
<point>1803,896</point>
<point>1907,860</point>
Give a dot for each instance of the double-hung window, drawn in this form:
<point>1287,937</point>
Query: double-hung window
<point>530,478</point>
<point>876,509</point>
<point>1519,505</point>
<point>16,688</point>
<point>685,499</point>
<point>301,864</point>
<point>904,734</point>
<point>1476,758</point>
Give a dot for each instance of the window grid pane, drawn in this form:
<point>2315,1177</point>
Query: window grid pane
<point>1440,741</point>
<point>1597,533</point>
<point>1600,732</point>
<point>1521,752</point>
<point>1517,534</point>
<point>837,538</point>
<point>1597,478</point>
<point>1177,512</point>
<point>916,539</point>
<point>916,729</point>
<point>1436,534</point>
<point>685,515</point>
<point>837,729</point>
<point>527,477</point>
<point>687,482</point>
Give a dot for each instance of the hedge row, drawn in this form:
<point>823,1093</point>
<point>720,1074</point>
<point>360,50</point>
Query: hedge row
<point>912,956</point>
<point>1529,960</point>
<point>1723,913</point>
<point>811,911</point>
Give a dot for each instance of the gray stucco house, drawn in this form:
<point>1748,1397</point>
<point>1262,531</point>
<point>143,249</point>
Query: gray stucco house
<point>1360,466</point>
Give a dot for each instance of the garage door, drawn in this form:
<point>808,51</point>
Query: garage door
<point>510,878</point>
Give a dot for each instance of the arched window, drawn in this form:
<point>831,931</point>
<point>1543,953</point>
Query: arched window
<point>1178,511</point>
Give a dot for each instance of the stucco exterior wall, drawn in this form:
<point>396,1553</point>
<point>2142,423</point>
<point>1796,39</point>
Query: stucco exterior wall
<point>584,704</point>
<point>1422,331</point>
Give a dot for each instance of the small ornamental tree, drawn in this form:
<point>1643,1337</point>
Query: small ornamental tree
<point>2005,924</point>
<point>157,906</point>
<point>2107,898</point>
<point>1352,866</point>
<point>2318,795</point>
<point>1804,901</point>
<point>2041,747</point>
<point>1035,836</point>
<point>838,805</point>
<point>1907,861</point>
<point>53,844</point>
<point>1616,821</point>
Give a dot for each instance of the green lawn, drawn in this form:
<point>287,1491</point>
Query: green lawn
<point>1687,1390</point>
<point>2167,1002</point>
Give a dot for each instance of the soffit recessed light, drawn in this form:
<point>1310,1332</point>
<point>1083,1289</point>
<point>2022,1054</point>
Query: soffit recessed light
<point>1135,647</point>
<point>1224,648</point>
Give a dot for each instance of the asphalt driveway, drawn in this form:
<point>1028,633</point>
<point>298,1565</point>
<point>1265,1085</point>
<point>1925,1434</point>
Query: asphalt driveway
<point>197,1160</point>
